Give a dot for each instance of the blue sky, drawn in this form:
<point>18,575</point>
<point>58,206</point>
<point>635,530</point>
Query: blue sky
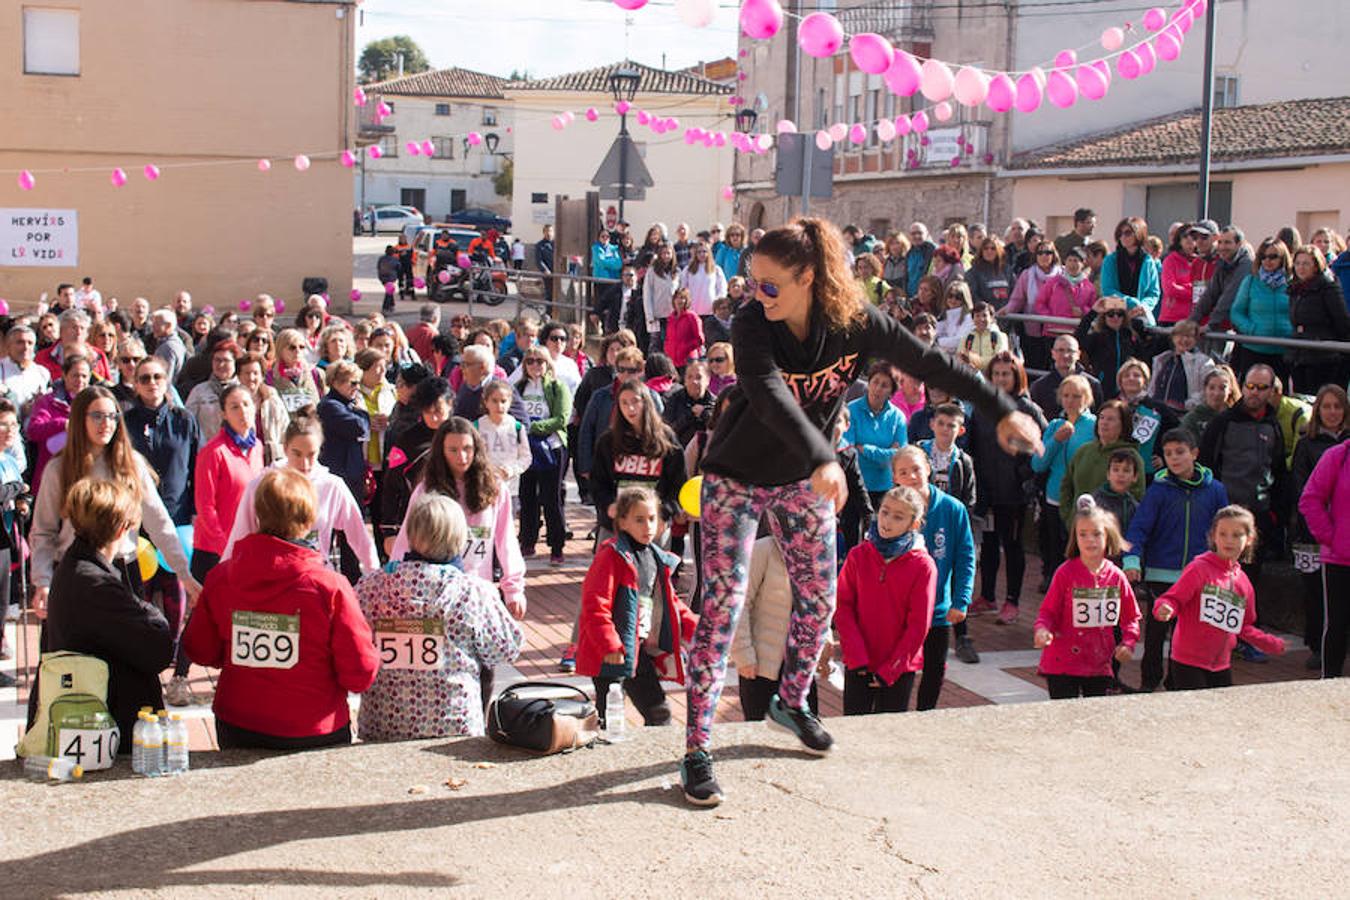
<point>545,37</point>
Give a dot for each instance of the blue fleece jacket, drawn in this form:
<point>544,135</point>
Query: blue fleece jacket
<point>1150,281</point>
<point>1171,526</point>
<point>947,535</point>
<point>1055,459</point>
<point>874,435</point>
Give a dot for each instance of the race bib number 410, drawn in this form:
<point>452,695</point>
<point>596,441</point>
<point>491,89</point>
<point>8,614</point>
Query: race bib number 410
<point>264,640</point>
<point>410,644</point>
<point>92,748</point>
<point>1222,608</point>
<point>1096,607</point>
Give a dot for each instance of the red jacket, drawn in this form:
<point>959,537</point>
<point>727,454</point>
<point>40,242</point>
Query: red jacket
<point>1084,641</point>
<point>684,337</point>
<point>419,338</point>
<point>609,615</point>
<point>1199,601</point>
<point>885,609</point>
<point>276,602</point>
<point>222,473</point>
<point>98,363</point>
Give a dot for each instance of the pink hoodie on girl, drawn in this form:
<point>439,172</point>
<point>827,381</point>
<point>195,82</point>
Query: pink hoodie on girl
<point>1061,297</point>
<point>884,609</point>
<point>490,529</point>
<point>1325,504</point>
<point>1081,610</point>
<point>1215,606</point>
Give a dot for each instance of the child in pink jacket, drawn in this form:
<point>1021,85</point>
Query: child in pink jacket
<point>1089,598</point>
<point>1070,293</point>
<point>886,595</point>
<point>1214,605</point>
<point>684,331</point>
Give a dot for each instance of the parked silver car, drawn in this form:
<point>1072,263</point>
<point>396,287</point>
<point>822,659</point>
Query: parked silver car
<point>391,219</point>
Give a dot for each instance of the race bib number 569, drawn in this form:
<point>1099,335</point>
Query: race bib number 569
<point>1096,607</point>
<point>414,644</point>
<point>264,640</point>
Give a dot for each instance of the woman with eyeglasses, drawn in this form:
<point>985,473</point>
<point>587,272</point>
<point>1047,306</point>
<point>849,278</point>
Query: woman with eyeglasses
<point>129,355</point>
<point>721,367</point>
<point>555,338</point>
<point>1261,307</point>
<point>294,376</point>
<point>989,277</point>
<point>1317,312</point>
<point>548,403</point>
<point>729,254</point>
<point>1110,333</point>
<point>1025,294</point>
<point>99,447</point>
<point>800,348</point>
<point>310,323</point>
<point>1129,271</point>
<point>51,412</point>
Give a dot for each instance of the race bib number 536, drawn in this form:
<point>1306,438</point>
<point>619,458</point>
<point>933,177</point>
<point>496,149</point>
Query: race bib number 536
<point>1096,607</point>
<point>1222,608</point>
<point>412,644</point>
<point>264,640</point>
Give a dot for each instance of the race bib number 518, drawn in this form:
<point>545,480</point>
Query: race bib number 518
<point>264,640</point>
<point>412,644</point>
<point>1096,607</point>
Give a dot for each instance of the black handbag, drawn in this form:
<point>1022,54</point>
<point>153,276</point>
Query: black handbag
<point>543,716</point>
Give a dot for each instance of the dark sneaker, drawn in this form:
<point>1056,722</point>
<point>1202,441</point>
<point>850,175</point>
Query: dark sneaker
<point>965,651</point>
<point>1251,654</point>
<point>556,559</point>
<point>7,681</point>
<point>801,723</point>
<point>696,774</point>
<point>569,660</point>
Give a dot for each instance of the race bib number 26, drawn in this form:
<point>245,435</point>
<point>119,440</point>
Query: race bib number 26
<point>1096,607</point>
<point>410,644</point>
<point>264,640</point>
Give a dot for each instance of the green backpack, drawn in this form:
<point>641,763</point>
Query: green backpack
<point>71,687</point>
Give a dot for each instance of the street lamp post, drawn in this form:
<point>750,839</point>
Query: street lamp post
<point>623,85</point>
<point>746,118</point>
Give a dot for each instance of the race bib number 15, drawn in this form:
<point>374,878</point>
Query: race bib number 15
<point>410,644</point>
<point>264,640</point>
<point>1096,607</point>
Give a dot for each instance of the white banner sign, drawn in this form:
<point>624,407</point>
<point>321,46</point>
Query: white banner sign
<point>39,237</point>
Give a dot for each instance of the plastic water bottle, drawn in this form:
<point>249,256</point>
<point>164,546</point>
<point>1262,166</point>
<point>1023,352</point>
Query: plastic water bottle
<point>615,721</point>
<point>138,743</point>
<point>51,768</point>
<point>154,747</point>
<point>176,746</point>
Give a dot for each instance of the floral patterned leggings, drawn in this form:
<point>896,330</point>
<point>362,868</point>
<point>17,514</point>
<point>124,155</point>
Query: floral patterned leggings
<point>803,525</point>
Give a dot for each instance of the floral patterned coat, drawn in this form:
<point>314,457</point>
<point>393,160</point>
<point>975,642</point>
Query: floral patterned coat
<point>434,627</point>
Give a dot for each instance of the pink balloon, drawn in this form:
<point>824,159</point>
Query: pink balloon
<point>1066,59</point>
<point>462,260</point>
<point>390,287</point>
<point>871,52</point>
<point>1147,57</point>
<point>760,19</point>
<point>419,282</point>
<point>943,112</point>
<point>474,138</point>
<point>689,136</point>
<point>672,123</point>
<point>413,148</point>
<point>920,122</point>
<point>858,133</point>
<point>838,131</point>
<point>1155,18</point>
<point>720,139</point>
<point>1168,44</point>
<point>359,96</point>
<point>428,148</point>
<point>937,80</point>
<point>903,126</point>
<point>886,130</point>
<point>820,34</point>
<point>278,304</point>
<point>118,178</point>
<point>786,126</point>
<point>1129,66</point>
<point>245,305</point>
<point>4,307</point>
<point>904,75</point>
<point>970,87</point>
<point>762,143</point>
<point>348,158</point>
<point>1029,92</point>
<point>384,110</point>
<point>557,123</point>
<point>301,163</point>
<point>1198,7</point>
<point>443,276</point>
<point>151,172</point>
<point>1002,93</point>
<point>622,107</point>
<point>823,140</point>
<point>643,117</point>
<point>1183,19</point>
<point>1061,90</point>
<point>266,164</point>
<point>592,114</point>
<point>26,181</point>
<point>728,193</point>
<point>630,4</point>
<point>373,151</point>
<point>355,295</point>
<point>1091,84</point>
<point>1113,39</point>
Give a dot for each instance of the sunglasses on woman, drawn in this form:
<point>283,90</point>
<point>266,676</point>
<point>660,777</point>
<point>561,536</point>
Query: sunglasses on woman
<point>767,288</point>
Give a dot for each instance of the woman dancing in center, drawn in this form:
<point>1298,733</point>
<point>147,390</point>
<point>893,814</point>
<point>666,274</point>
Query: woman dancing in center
<point>798,349</point>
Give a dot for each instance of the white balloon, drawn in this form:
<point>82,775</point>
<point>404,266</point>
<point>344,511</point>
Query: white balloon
<point>695,13</point>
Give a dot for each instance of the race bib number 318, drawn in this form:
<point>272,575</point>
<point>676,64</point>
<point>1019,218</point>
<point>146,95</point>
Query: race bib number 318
<point>264,640</point>
<point>411,644</point>
<point>1096,607</point>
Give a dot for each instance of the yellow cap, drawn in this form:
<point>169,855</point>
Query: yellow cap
<point>176,717</point>
<point>77,772</point>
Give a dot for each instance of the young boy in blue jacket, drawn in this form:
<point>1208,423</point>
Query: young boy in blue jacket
<point>953,472</point>
<point>948,539</point>
<point>1170,529</point>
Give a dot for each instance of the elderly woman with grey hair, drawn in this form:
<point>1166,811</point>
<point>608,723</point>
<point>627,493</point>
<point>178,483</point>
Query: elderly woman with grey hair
<point>436,629</point>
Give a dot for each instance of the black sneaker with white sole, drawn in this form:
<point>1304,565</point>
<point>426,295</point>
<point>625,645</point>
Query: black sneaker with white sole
<point>801,723</point>
<point>696,774</point>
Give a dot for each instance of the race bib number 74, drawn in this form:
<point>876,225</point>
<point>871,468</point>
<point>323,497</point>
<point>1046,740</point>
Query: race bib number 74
<point>1096,607</point>
<point>1222,608</point>
<point>264,640</point>
<point>410,644</point>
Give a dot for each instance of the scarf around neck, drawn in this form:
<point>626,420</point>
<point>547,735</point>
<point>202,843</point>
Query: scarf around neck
<point>890,548</point>
<point>244,442</point>
<point>1273,280</point>
<point>1036,279</point>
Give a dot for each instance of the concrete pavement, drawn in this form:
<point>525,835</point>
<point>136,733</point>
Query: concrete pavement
<point>1242,792</point>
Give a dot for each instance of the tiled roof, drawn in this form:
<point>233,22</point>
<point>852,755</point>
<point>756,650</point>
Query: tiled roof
<point>1264,131</point>
<point>654,81</point>
<point>442,83</point>
<point>723,69</point>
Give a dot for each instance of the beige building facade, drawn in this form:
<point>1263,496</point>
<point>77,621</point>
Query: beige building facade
<point>202,89</point>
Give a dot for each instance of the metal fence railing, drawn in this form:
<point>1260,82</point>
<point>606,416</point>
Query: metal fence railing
<point>571,295</point>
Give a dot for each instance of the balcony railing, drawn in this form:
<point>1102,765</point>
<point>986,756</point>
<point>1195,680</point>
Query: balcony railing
<point>933,150</point>
<point>912,21</point>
